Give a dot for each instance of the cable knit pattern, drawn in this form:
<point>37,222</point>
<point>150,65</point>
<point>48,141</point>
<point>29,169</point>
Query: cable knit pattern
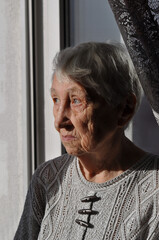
<point>128,205</point>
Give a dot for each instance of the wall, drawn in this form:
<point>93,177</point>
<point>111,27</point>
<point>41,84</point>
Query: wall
<point>13,129</point>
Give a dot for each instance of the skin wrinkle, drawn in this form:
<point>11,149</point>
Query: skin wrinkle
<point>85,126</point>
<point>87,123</point>
<point>90,130</point>
<point>84,121</point>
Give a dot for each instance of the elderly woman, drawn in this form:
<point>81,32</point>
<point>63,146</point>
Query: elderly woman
<point>105,187</point>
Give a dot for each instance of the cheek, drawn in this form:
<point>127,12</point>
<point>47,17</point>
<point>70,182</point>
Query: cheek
<point>85,129</point>
<point>83,123</point>
<point>54,110</point>
<point>87,140</point>
<point>79,109</point>
<point>55,119</point>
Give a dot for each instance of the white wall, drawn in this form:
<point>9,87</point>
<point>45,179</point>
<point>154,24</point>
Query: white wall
<point>13,137</point>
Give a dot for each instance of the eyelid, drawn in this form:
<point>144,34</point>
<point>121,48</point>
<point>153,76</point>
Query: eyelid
<point>75,98</point>
<point>76,101</point>
<point>55,99</point>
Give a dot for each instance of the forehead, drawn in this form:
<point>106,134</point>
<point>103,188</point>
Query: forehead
<point>62,83</point>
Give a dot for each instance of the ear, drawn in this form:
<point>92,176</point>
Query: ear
<point>126,110</point>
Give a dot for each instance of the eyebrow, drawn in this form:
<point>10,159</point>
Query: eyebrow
<point>70,90</point>
<point>52,91</point>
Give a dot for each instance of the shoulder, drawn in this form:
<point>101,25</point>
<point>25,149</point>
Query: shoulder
<point>147,177</point>
<point>152,162</point>
<point>149,165</point>
<point>48,171</point>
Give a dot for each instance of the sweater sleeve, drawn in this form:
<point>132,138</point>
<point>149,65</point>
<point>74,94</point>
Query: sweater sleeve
<point>138,21</point>
<point>33,212</point>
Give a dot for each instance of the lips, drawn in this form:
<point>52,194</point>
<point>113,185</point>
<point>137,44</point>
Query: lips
<point>67,138</point>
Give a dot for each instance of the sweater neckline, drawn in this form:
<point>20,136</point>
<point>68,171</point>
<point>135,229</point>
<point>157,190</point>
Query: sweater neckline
<point>101,186</point>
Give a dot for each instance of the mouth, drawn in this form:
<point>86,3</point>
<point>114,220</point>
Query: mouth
<point>67,138</point>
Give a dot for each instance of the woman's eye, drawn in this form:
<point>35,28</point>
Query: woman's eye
<point>76,101</point>
<point>55,100</point>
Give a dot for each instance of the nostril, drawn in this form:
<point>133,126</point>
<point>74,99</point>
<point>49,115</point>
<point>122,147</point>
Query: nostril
<point>67,125</point>
<point>60,121</point>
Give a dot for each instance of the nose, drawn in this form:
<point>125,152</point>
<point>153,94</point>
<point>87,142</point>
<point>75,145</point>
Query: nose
<point>62,116</point>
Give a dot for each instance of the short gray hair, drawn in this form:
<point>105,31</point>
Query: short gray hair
<point>104,68</point>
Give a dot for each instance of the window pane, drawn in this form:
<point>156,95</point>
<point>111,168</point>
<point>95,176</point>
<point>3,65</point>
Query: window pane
<point>51,47</point>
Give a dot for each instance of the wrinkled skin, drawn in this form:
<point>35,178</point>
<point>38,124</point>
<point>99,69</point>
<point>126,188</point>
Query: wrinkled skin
<point>83,124</point>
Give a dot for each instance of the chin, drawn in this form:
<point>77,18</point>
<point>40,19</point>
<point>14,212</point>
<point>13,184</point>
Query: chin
<point>78,149</point>
<point>74,151</point>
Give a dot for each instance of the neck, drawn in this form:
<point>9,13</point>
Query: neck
<point>110,160</point>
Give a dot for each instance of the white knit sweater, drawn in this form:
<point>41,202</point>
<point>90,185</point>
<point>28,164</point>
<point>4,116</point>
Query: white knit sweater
<point>127,206</point>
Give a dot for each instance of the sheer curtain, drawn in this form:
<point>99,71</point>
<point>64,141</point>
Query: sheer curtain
<point>138,22</point>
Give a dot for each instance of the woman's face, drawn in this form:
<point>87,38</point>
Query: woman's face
<point>82,124</point>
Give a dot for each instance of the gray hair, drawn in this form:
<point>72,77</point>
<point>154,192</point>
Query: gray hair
<point>104,68</point>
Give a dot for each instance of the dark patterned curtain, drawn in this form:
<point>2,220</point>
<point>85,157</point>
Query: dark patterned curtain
<point>138,21</point>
